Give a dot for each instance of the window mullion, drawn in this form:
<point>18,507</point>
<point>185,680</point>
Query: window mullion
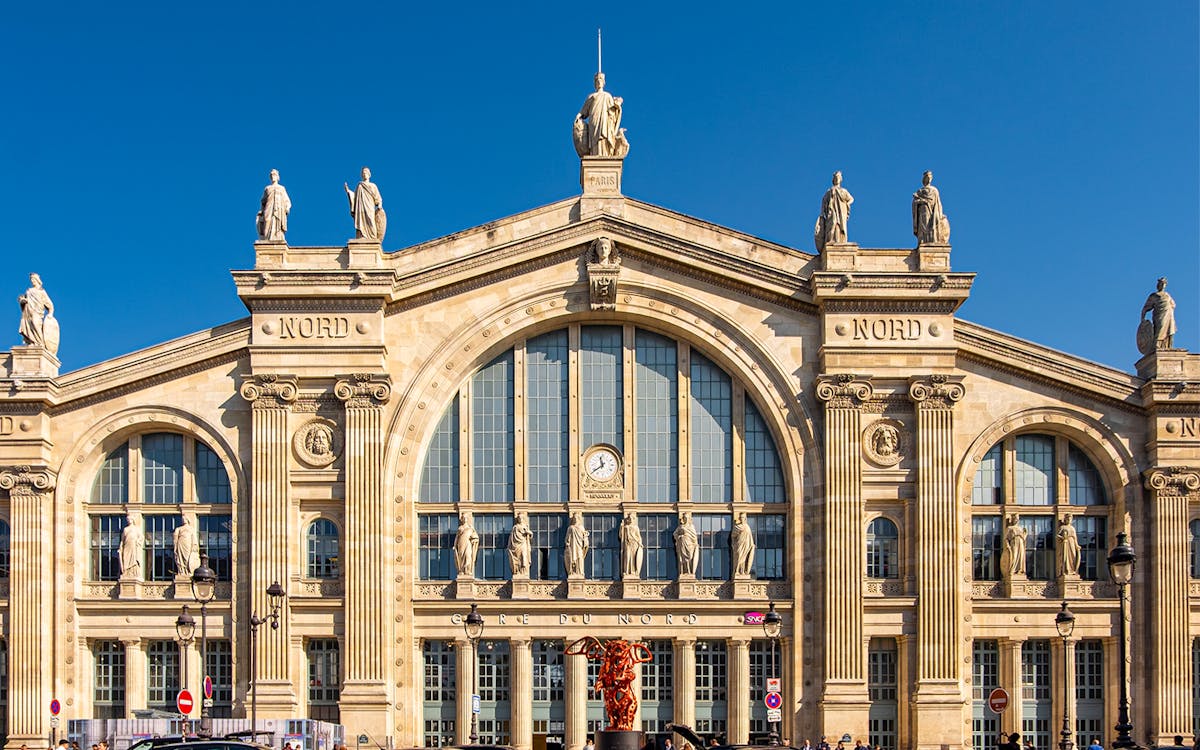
<point>1062,481</point>
<point>630,410</point>
<point>520,479</point>
<point>738,422</point>
<point>133,470</point>
<point>684,378</point>
<point>189,470</point>
<point>575,407</point>
<point>466,445</point>
<point>1008,455</point>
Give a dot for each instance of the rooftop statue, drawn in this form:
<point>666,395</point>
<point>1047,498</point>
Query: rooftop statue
<point>272,216</point>
<point>1159,331</point>
<point>38,326</point>
<point>598,130</point>
<point>930,225</point>
<point>366,206</point>
<point>835,214</point>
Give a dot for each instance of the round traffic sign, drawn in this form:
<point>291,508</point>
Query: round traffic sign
<point>208,690</point>
<point>55,707</point>
<point>773,700</point>
<point>998,700</point>
<point>184,702</point>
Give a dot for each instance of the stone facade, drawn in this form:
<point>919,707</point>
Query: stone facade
<point>876,401</point>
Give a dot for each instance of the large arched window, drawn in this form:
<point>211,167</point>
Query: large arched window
<point>322,546</point>
<point>883,549</point>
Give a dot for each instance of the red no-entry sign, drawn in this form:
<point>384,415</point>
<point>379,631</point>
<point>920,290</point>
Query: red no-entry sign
<point>998,700</point>
<point>184,702</point>
<point>773,700</point>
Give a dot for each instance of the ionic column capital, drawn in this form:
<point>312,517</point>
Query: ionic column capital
<point>269,389</point>
<point>844,391</point>
<point>936,391</point>
<point>1173,480</point>
<point>363,389</point>
<point>519,642</point>
<point>27,480</point>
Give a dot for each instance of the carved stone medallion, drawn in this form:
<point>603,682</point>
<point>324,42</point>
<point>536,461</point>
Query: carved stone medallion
<point>317,443</point>
<point>884,442</point>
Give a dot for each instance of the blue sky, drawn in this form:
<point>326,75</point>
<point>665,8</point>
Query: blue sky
<point>1063,136</point>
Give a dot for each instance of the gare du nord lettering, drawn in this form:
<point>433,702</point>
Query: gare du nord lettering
<point>887,329</point>
<point>314,327</point>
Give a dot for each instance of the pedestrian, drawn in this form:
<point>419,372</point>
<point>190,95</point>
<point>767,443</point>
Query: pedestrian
<point>589,745</point>
<point>822,745</point>
<point>1095,744</point>
<point>1014,742</point>
<point>668,745</point>
<point>686,746</point>
<point>807,744</point>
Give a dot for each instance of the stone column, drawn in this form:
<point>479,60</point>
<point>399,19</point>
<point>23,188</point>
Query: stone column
<point>1064,672</point>
<point>844,703</point>
<point>30,493</point>
<point>521,725</point>
<point>939,693</point>
<point>464,666</point>
<point>1010,679</point>
<point>576,724</point>
<point>270,397</point>
<point>685,681</point>
<point>904,658</point>
<point>1169,674</point>
<point>364,698</point>
<point>135,674</point>
<point>738,690</point>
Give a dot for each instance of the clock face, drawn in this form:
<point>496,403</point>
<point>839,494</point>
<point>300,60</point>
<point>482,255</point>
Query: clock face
<point>601,464</point>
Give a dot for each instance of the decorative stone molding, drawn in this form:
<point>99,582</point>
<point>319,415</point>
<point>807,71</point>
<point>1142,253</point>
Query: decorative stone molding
<point>440,590</point>
<point>603,270</point>
<point>269,390</point>
<point>1194,589</point>
<point>843,391</point>
<point>325,589</point>
<point>317,443</point>
<point>1172,480</point>
<point>363,389</point>
<point>879,587</point>
<point>27,480</point>
<point>885,442</point>
<point>936,391</point>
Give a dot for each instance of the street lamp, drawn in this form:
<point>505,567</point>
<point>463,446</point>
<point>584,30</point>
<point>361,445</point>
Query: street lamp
<point>275,594</point>
<point>473,626</point>
<point>204,589</point>
<point>185,628</point>
<point>772,627</point>
<point>1120,566</point>
<point>1065,622</point>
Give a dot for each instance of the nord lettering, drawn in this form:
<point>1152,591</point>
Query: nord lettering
<point>314,327</point>
<point>6,426</point>
<point>1187,427</point>
<point>887,329</point>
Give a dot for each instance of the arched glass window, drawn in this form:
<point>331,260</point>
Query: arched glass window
<point>1085,487</point>
<point>112,481</point>
<point>1034,470</point>
<point>1195,528</point>
<point>322,549</point>
<point>883,548</point>
<point>162,468</point>
<point>987,488</point>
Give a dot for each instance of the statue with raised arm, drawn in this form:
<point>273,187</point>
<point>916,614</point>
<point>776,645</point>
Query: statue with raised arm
<point>1015,536</point>
<point>741,542</point>
<point>930,225</point>
<point>832,224</point>
<point>577,546</point>
<point>38,326</point>
<point>132,549</point>
<point>1068,548</point>
<point>631,547</point>
<point>466,545</point>
<point>1159,331</point>
<point>275,207</point>
<point>597,130</point>
<point>187,548</point>
<point>366,206</point>
<point>519,545</point>
<point>687,545</point>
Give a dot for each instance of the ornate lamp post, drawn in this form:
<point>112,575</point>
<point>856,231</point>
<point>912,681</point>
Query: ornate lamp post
<point>275,594</point>
<point>1065,622</point>
<point>772,627</point>
<point>185,628</point>
<point>1120,566</point>
<point>473,626</point>
<point>204,589</point>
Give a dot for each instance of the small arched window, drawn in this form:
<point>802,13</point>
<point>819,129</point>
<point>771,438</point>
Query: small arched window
<point>322,549</point>
<point>1195,550</point>
<point>5,539</point>
<point>883,545</point>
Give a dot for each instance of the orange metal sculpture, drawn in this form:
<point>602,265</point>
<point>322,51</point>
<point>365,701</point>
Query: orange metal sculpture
<point>616,676</point>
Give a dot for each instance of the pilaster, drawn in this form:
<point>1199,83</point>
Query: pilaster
<point>685,681</point>
<point>939,698</point>
<point>270,398</point>
<point>1169,674</point>
<point>464,665</point>
<point>364,698</point>
<point>576,719</point>
<point>844,702</point>
<point>739,690</point>
<point>521,726</point>
<point>30,491</point>
<point>135,674</point>
<point>1010,677</point>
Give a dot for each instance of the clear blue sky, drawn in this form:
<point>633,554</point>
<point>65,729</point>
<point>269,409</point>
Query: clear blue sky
<point>136,139</point>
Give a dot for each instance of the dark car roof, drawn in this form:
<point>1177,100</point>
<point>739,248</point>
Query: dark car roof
<point>212,745</point>
<point>691,736</point>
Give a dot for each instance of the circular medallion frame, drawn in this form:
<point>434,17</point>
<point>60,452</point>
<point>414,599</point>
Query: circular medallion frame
<point>317,443</point>
<point>884,442</point>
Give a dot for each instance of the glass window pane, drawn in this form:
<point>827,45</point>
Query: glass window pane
<point>5,549</point>
<point>492,430</point>
<point>546,547</point>
<point>160,547</point>
<point>216,541</point>
<point>986,537</point>
<point>218,661</point>
<point>162,674</point>
<point>989,478</point>
<point>764,477</point>
<point>162,468</point>
<point>1092,532</point>
<point>322,549</point>
<point>491,562</point>
<point>1039,547</point>
<point>437,532</point>
<point>712,433</point>
<point>769,540</point>
<point>439,476</point>
<point>1033,473</point>
<point>108,695</point>
<point>883,543</point>
<point>1086,486</point>
<point>212,481</point>
<point>324,671</point>
<point>440,671</point>
<point>602,373</point>
<point>713,531</point>
<point>112,481</point>
<point>1195,551</point>
<point>656,380</point>
<point>547,406</point>
<point>549,674</point>
<point>658,546</point>
<point>603,562</point>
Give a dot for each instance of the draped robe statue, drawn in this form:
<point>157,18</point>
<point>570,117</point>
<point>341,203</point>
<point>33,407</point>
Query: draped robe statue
<point>741,540</point>
<point>631,547</point>
<point>930,225</point>
<point>597,129</point>
<point>577,546</point>
<point>518,545</point>
<point>273,214</point>
<point>38,326</point>
<point>1161,326</point>
<point>187,548</point>
<point>687,545</point>
<point>366,206</point>
<point>132,549</point>
<point>466,545</point>
<point>1068,548</point>
<point>835,215</point>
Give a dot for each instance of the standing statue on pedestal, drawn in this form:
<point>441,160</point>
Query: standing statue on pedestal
<point>38,326</point>
<point>577,546</point>
<point>466,545</point>
<point>1014,545</point>
<point>687,545</point>
<point>272,216</point>
<point>631,547</point>
<point>930,225</point>
<point>1159,331</point>
<point>518,545</point>
<point>741,542</point>
<point>598,130</point>
<point>132,549</point>
<point>835,215</point>
<point>187,548</point>
<point>1068,548</point>
<point>366,206</point>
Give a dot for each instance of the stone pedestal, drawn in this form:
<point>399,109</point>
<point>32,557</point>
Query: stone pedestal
<point>364,254</point>
<point>600,178</point>
<point>520,586</point>
<point>933,258</point>
<point>631,587</point>
<point>687,586</point>
<point>269,254</point>
<point>575,586</point>
<point>1014,585</point>
<point>464,587</point>
<point>130,588</point>
<point>839,256</point>
<point>1161,364</point>
<point>619,739</point>
<point>742,586</point>
<point>33,362</point>
<point>183,588</point>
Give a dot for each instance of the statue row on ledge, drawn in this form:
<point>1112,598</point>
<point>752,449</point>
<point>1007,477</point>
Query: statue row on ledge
<point>930,225</point>
<point>366,206</point>
<point>687,546</point>
<point>132,550</point>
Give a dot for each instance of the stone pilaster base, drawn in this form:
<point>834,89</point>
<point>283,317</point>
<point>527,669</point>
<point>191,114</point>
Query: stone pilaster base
<point>933,258</point>
<point>520,587</point>
<point>130,588</point>
<point>575,585</point>
<point>687,586</point>
<point>270,254</point>
<point>1013,585</point>
<point>631,588</point>
<point>364,710</point>
<point>276,700</point>
<point>844,707</point>
<point>741,587</point>
<point>600,178</point>
<point>183,590</point>
<point>937,714</point>
<point>464,587</point>
<point>839,256</point>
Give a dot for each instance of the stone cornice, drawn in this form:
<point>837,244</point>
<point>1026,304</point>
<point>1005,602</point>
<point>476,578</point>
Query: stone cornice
<point>363,389</point>
<point>843,391</point>
<point>872,305</point>
<point>269,390</point>
<point>1174,480</point>
<point>27,480</point>
<point>936,391</point>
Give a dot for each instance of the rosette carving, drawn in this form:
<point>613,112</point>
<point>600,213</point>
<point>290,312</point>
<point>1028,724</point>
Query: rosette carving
<point>1174,480</point>
<point>27,480</point>
<point>843,391</point>
<point>269,389</point>
<point>363,389</point>
<point>936,391</point>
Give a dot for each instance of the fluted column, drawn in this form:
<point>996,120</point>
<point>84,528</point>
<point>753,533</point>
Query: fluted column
<point>464,665</point>
<point>521,726</point>
<point>576,724</point>
<point>685,681</point>
<point>135,673</point>
<point>1169,673</point>
<point>939,695</point>
<point>844,703</point>
<point>1012,720</point>
<point>739,690</point>
<point>30,492</point>
<point>364,698</point>
<point>270,397</point>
